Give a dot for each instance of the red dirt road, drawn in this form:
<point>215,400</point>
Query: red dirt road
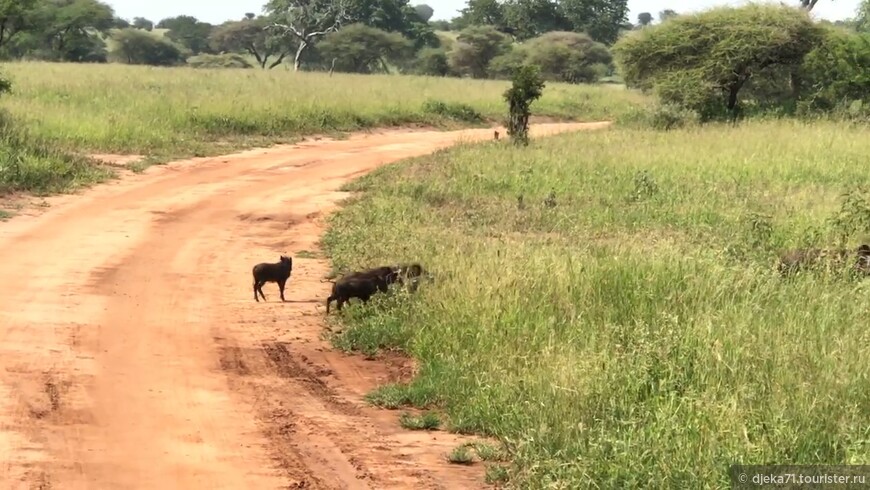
<point>133,355</point>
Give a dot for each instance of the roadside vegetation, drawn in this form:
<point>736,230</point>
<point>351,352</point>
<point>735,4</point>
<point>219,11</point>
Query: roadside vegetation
<point>606,303</point>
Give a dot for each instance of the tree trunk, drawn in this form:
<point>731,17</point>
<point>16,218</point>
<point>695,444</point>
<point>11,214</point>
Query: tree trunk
<point>278,61</point>
<point>297,61</point>
<point>734,89</point>
<point>795,79</point>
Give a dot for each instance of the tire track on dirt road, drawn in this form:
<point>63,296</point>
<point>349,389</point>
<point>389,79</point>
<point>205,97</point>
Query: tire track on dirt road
<point>133,356</point>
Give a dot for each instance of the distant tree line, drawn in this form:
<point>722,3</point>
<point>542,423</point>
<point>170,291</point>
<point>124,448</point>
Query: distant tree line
<point>568,40</point>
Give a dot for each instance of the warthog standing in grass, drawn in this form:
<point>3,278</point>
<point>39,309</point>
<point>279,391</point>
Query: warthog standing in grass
<point>808,258</point>
<point>362,285</point>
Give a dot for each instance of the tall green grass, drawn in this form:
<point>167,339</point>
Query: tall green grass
<point>28,163</point>
<point>634,334</point>
<point>184,110</point>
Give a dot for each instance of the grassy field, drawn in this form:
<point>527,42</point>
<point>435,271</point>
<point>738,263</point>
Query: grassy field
<point>183,110</point>
<point>175,112</point>
<point>633,331</point>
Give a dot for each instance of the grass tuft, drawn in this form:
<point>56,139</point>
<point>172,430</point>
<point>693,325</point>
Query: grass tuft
<point>461,455</point>
<point>426,421</point>
<point>30,164</point>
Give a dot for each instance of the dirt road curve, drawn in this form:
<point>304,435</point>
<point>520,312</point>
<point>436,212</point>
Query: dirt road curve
<point>133,355</point>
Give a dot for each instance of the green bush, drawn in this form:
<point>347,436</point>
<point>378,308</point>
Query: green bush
<point>505,65</point>
<point>431,61</point>
<point>140,47</point>
<point>569,57</point>
<point>362,49</point>
<point>228,60</point>
<point>475,48</point>
<point>452,110</point>
<point>660,117</point>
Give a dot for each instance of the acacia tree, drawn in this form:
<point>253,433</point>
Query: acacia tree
<point>252,36</point>
<point>358,48</point>
<point>67,21</point>
<point>14,18</point>
<point>306,20</point>
<point>702,61</point>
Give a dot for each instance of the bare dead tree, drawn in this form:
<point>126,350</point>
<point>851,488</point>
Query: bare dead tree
<point>306,20</point>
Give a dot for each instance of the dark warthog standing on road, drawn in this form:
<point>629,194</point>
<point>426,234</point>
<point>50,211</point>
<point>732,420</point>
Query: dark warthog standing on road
<point>277,272</point>
<point>807,258</point>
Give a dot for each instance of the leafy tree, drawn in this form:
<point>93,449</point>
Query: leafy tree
<point>506,64</point>
<point>15,16</point>
<point>120,23</point>
<point>431,61</point>
<point>67,22</point>
<point>138,47</point>
<point>644,18</point>
<point>702,61</point>
<point>568,57</point>
<point>862,16</point>
<point>475,47</point>
<point>306,21</point>
<point>252,36</point>
<point>424,12</point>
<point>250,15</point>
<point>393,16</point>
<point>188,32</point>
<point>667,14</point>
<point>85,49</point>
<point>358,48</point>
<point>69,30</point>
<point>601,19</point>
<point>808,4</point>
<point>529,18</point>
<point>837,72</point>
<point>143,23</point>
<point>526,88</point>
<point>481,12</point>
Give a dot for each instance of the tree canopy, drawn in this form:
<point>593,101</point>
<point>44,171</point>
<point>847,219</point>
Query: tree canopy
<point>359,48</point>
<point>189,32</point>
<point>702,61</point>
<point>139,47</point>
<point>253,37</point>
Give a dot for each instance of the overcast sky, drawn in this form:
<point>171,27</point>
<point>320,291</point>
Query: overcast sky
<point>218,11</point>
